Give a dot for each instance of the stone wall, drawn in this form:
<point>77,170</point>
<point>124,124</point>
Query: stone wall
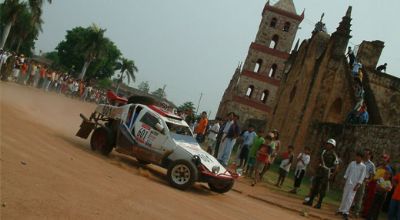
<point>386,91</point>
<point>351,138</point>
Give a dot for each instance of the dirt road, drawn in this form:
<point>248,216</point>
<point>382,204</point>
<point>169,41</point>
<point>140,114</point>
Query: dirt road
<point>47,172</point>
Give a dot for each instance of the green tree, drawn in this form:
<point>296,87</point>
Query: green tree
<point>144,86</point>
<point>10,10</point>
<point>13,10</point>
<point>125,67</point>
<point>97,61</point>
<point>160,93</point>
<point>186,107</point>
<point>105,83</point>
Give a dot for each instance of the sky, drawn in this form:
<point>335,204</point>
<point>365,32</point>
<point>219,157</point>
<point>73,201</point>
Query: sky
<point>193,47</point>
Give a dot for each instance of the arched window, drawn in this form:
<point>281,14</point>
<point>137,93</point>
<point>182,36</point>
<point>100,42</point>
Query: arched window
<point>272,71</point>
<point>286,28</point>
<point>292,94</point>
<point>273,23</point>
<point>257,68</point>
<point>274,42</point>
<point>250,91</point>
<point>264,96</point>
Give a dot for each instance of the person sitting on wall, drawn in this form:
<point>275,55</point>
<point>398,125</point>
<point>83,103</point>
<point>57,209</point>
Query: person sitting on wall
<point>363,115</point>
<point>382,68</point>
<point>351,56</point>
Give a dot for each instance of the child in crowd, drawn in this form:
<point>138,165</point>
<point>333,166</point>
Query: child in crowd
<point>303,159</point>
<point>384,186</point>
<point>284,168</point>
<point>262,158</point>
<point>251,161</point>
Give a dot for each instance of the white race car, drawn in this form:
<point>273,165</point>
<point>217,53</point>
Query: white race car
<point>154,135</point>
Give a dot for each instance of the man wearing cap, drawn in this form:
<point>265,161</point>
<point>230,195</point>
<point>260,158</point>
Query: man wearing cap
<point>327,166</point>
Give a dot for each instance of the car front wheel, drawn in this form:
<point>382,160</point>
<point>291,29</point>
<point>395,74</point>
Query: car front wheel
<point>221,187</point>
<point>182,174</point>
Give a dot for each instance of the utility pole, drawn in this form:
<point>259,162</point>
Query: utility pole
<point>198,104</point>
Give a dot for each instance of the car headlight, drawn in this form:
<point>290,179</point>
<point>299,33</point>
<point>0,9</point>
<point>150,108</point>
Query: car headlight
<point>196,160</point>
<point>215,169</point>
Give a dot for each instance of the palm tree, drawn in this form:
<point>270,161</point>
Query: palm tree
<point>128,67</point>
<point>93,46</point>
<point>10,10</point>
<point>13,8</point>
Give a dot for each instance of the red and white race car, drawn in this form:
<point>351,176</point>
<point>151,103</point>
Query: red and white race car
<point>154,135</point>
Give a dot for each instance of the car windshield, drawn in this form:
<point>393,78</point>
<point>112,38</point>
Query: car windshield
<point>179,129</point>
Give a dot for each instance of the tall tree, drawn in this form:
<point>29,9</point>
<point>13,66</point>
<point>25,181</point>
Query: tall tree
<point>187,106</point>
<point>127,67</point>
<point>9,13</point>
<point>160,93</point>
<point>72,53</point>
<point>94,47</point>
<point>12,9</point>
<point>144,86</point>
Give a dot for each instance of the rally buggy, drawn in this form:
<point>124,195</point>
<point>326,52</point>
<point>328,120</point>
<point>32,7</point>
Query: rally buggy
<point>153,135</point>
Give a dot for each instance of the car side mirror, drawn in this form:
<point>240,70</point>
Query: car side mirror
<point>159,128</point>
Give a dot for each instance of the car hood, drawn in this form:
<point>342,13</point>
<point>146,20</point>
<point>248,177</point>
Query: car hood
<point>190,145</point>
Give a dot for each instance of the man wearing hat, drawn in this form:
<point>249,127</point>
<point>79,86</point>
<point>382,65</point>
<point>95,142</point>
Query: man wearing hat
<point>327,166</point>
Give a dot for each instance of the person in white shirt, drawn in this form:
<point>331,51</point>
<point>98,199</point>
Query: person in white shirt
<point>303,159</point>
<point>212,136</point>
<point>354,176</point>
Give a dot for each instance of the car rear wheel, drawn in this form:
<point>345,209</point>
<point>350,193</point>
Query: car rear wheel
<point>102,140</point>
<point>221,187</point>
<point>182,174</point>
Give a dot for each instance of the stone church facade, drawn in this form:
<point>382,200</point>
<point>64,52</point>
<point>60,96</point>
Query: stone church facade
<point>313,91</point>
<point>317,93</point>
<point>252,91</point>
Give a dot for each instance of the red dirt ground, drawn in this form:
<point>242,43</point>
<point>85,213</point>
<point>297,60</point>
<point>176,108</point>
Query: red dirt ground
<point>47,172</point>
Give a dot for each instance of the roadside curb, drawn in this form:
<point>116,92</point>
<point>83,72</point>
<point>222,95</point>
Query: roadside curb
<point>280,206</point>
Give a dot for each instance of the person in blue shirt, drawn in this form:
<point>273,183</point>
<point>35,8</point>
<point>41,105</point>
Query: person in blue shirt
<point>248,138</point>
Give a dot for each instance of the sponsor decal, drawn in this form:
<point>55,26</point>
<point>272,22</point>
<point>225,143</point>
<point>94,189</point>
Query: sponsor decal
<point>142,134</point>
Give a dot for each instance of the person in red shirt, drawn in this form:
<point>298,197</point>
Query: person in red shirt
<point>201,127</point>
<point>394,208</point>
<point>262,158</point>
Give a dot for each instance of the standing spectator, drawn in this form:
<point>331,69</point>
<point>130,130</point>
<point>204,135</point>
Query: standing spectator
<point>354,177</point>
<point>23,71</point>
<point>229,141</point>
<point>275,146</point>
<point>222,134</point>
<point>201,127</point>
<point>262,158</point>
<point>384,186</point>
<point>212,136</point>
<point>327,167</point>
<point>381,169</point>
<point>394,208</point>
<point>356,68</point>
<point>251,160</point>
<point>42,74</point>
<point>351,56</point>
<point>370,172</point>
<point>382,68</point>
<point>303,159</point>
<point>248,138</point>
<point>284,168</point>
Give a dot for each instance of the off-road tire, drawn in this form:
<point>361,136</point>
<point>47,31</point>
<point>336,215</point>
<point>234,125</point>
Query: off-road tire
<point>221,187</point>
<point>102,140</point>
<point>182,174</point>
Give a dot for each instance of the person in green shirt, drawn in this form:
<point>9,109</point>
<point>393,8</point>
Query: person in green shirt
<point>251,161</point>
